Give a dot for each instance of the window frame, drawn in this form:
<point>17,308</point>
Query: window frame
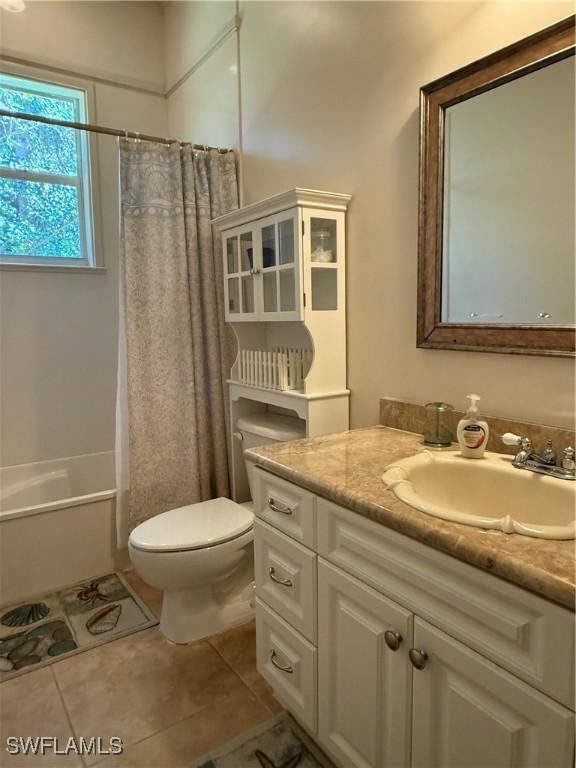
<point>86,182</point>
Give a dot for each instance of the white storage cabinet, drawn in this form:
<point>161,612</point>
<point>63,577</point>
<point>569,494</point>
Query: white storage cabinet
<point>284,265</point>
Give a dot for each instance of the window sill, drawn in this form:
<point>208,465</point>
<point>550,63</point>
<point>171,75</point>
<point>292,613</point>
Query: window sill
<point>51,268</point>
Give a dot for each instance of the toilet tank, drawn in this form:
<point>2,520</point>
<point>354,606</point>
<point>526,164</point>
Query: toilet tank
<point>264,428</point>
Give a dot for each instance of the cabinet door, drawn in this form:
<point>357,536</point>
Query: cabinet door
<point>468,712</point>
<point>241,266</point>
<point>280,277</point>
<point>324,261</point>
<point>363,685</point>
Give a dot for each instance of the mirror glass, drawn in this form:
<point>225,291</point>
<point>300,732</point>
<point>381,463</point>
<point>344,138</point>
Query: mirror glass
<point>508,202</point>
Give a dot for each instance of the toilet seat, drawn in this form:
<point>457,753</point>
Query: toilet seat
<point>194,526</point>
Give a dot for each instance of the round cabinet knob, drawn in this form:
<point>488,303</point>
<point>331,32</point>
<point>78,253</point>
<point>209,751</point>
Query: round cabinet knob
<point>418,658</point>
<point>392,639</point>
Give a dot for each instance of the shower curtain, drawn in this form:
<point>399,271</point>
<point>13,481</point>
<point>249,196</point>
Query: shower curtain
<point>174,347</point>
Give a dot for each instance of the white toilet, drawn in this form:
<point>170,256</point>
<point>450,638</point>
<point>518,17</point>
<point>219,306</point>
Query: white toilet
<point>201,555</point>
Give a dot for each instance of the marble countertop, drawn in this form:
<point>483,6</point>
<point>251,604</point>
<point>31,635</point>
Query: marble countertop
<point>347,468</point>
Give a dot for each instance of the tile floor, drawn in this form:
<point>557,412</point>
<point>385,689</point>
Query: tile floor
<point>169,704</point>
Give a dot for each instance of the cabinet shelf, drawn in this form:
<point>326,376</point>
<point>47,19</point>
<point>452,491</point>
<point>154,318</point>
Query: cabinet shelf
<point>296,394</point>
<point>313,409</point>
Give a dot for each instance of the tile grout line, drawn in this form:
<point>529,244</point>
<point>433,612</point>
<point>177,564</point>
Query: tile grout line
<point>65,708</point>
<point>272,712</point>
<point>239,676</point>
<point>234,670</point>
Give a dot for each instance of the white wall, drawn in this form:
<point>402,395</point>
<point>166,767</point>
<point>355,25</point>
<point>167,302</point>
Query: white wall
<point>205,107</point>
<point>59,330</point>
<point>330,100</point>
<point>120,41</point>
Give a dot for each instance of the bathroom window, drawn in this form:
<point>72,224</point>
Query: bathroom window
<point>46,200</point>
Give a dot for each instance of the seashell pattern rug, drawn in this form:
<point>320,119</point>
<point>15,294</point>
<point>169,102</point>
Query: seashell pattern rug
<point>42,630</point>
<point>277,743</point>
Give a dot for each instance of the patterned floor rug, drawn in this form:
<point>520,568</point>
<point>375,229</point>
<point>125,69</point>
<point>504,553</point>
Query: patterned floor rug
<point>278,743</point>
<point>44,629</point>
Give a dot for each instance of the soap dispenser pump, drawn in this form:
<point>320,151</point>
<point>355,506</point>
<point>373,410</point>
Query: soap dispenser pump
<point>473,431</point>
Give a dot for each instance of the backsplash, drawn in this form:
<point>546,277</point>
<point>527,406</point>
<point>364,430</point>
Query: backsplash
<point>410,417</point>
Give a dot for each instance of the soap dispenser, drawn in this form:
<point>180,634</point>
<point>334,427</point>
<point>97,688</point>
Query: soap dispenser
<point>473,431</point>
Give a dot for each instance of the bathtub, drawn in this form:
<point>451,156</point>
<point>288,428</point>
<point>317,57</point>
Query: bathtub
<point>57,524</point>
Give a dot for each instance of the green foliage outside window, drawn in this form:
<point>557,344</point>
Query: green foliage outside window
<point>40,214</point>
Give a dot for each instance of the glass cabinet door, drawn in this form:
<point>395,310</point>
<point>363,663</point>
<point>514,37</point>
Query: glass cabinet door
<point>240,276</point>
<point>324,245</point>
<point>280,276</point>
<point>263,270</point>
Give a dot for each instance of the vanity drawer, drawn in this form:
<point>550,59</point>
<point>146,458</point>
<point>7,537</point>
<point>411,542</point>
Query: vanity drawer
<point>285,506</point>
<point>524,633</point>
<point>288,662</point>
<point>286,578</point>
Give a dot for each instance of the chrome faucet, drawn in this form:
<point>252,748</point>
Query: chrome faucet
<point>544,463</point>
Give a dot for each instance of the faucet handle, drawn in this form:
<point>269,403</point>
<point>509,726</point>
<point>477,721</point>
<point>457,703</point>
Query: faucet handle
<point>524,443</point>
<point>568,458</point>
<point>549,454</point>
<point>509,438</point>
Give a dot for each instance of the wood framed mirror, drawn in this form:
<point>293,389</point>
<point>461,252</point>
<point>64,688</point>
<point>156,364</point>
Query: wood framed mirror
<point>496,220</point>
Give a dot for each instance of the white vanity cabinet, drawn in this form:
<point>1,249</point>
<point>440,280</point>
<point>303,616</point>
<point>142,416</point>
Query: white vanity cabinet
<point>414,658</point>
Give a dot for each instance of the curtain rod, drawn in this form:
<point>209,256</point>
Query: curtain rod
<point>102,129</point>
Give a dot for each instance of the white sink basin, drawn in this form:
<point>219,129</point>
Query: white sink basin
<point>485,493</point>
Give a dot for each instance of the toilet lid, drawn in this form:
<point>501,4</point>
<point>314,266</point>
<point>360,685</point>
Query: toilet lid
<point>193,527</point>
